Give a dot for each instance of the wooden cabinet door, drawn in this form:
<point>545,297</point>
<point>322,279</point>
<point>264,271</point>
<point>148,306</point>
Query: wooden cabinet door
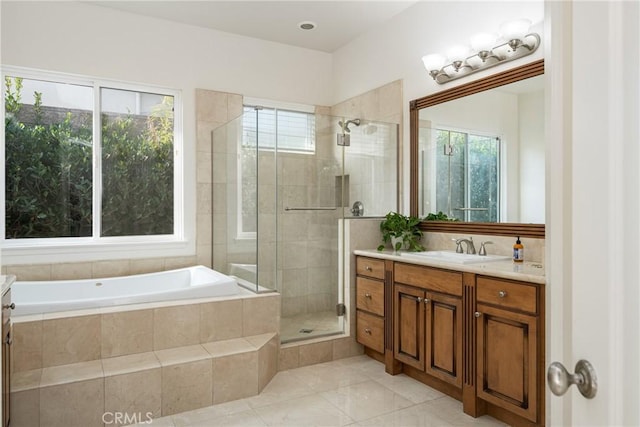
<point>506,358</point>
<point>408,337</point>
<point>443,345</point>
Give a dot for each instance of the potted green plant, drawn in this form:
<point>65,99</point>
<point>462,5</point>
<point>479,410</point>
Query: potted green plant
<point>402,232</point>
<point>440,216</point>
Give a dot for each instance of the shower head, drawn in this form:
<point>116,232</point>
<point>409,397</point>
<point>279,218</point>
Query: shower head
<point>345,125</point>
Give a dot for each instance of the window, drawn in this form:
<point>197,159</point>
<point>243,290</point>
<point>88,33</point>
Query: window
<point>467,175</point>
<point>89,160</point>
<point>265,131</point>
<point>291,131</point>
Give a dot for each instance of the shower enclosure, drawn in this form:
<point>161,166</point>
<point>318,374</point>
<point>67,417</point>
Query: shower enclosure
<point>281,185</point>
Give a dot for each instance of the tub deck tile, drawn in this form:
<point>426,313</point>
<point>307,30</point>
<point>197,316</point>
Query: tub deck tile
<point>65,374</point>
<point>175,356</point>
<point>228,347</point>
<point>130,363</point>
<point>26,380</point>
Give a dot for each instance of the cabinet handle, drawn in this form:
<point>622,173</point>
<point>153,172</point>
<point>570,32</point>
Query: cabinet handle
<point>12,306</point>
<point>419,299</point>
<point>502,294</point>
<point>368,268</point>
<point>367,331</point>
<point>9,339</point>
<point>426,300</point>
<point>477,314</point>
<point>367,296</point>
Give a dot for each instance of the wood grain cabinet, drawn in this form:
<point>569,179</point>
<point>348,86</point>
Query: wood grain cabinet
<point>508,350</point>
<point>6,357</point>
<point>428,321</point>
<point>370,303</point>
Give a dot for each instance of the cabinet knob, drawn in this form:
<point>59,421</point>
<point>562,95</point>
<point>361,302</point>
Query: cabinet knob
<point>477,314</point>
<point>12,306</point>
<point>367,295</point>
<point>419,299</point>
<point>502,294</point>
<point>367,268</point>
<point>426,300</point>
<point>367,331</point>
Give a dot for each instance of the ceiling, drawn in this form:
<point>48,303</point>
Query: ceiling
<point>338,22</point>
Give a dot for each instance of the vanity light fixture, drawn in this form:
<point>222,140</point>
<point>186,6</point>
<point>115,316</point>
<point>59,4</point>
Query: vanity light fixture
<point>515,42</point>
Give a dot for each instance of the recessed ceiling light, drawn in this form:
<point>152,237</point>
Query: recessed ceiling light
<point>307,25</point>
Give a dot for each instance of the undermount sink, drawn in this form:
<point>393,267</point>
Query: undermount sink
<point>454,257</point>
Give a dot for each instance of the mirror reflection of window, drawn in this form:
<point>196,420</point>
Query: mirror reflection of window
<point>467,175</point>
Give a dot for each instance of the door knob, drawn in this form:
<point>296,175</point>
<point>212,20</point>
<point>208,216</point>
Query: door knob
<point>585,379</point>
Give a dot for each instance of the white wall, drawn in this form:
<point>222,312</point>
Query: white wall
<point>394,49</point>
<point>84,39</point>
<point>532,152</point>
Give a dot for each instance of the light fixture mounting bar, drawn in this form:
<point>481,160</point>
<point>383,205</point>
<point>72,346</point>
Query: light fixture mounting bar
<point>480,61</point>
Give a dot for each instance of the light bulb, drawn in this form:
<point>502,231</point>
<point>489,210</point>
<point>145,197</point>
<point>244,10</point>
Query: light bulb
<point>433,62</point>
<point>483,42</point>
<point>457,53</point>
<point>515,30</point>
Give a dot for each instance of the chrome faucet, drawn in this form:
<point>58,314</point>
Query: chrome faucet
<point>471,249</point>
<point>483,250</point>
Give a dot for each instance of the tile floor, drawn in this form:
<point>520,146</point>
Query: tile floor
<point>347,392</point>
<point>320,324</point>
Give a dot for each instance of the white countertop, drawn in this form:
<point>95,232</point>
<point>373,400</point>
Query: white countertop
<point>5,282</point>
<point>527,271</point>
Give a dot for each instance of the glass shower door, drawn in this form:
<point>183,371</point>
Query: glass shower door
<point>310,204</point>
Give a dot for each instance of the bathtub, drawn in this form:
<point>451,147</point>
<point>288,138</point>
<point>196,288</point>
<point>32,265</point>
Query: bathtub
<point>65,295</point>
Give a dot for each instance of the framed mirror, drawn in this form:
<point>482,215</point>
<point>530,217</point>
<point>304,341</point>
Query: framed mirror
<point>477,155</point>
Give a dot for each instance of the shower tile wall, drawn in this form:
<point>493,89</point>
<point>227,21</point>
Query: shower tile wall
<point>365,165</point>
<point>307,255</point>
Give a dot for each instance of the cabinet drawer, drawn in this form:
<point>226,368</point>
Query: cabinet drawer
<point>370,267</point>
<point>370,331</point>
<point>370,295</point>
<point>514,295</point>
<point>434,279</point>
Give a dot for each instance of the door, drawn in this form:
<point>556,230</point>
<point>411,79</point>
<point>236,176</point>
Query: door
<point>594,204</point>
<point>408,346</point>
<point>507,354</point>
<point>443,344</point>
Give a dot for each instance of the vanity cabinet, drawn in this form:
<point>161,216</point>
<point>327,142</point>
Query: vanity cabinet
<point>428,321</point>
<point>508,350</point>
<point>370,303</point>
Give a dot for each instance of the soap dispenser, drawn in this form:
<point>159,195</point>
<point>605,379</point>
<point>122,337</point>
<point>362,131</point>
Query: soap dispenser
<point>518,251</point>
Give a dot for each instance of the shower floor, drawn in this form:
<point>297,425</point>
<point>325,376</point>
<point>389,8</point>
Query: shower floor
<point>309,325</point>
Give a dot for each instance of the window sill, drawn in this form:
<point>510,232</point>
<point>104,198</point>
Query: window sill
<point>21,253</point>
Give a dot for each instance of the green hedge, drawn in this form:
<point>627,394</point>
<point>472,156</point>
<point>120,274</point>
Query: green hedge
<point>49,170</point>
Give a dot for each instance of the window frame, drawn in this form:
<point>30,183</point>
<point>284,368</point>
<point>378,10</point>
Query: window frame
<point>96,247</point>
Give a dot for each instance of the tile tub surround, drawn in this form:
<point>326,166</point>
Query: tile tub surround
<point>156,383</point>
<point>43,341</point>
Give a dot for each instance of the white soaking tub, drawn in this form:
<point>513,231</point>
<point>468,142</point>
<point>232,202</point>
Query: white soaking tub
<point>64,295</point>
